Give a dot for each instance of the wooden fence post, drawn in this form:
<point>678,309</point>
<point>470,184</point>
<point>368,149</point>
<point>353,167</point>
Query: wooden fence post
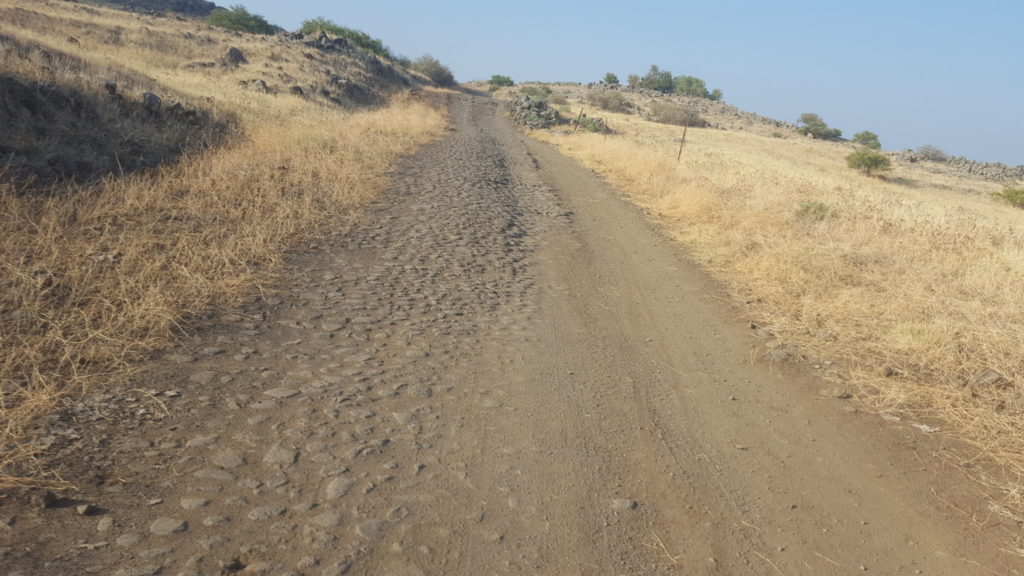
<point>578,118</point>
<point>679,156</point>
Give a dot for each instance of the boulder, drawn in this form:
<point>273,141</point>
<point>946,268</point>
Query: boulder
<point>235,57</point>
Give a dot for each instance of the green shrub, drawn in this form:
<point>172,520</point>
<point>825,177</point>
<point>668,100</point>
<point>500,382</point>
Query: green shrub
<point>608,100</point>
<point>240,20</point>
<point>356,37</point>
<point>633,80</point>
<point>867,160</point>
<point>658,80</point>
<point>716,95</point>
<point>778,135</point>
<point>432,68</point>
<point>669,113</point>
<point>1012,196</point>
<point>536,92</point>
<point>500,81</point>
<point>590,124</point>
<point>690,86</point>
<point>557,99</point>
<point>933,153</point>
<point>869,139</point>
<point>813,124</point>
<point>812,210</point>
<point>611,79</point>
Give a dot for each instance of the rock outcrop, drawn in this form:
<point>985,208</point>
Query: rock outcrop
<point>991,171</point>
<point>531,113</point>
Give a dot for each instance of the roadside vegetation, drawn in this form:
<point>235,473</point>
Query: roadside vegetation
<point>99,273</point>
<point>909,284</point>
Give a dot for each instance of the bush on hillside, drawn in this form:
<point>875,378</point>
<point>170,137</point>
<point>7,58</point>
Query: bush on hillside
<point>358,38</point>
<point>1012,196</point>
<point>690,86</point>
<point>670,113</point>
<point>658,80</point>
<point>609,100</point>
<point>867,160</point>
<point>500,81</point>
<point>813,210</point>
<point>933,153</point>
<point>240,20</point>
<point>716,95</point>
<point>813,125</point>
<point>869,139</point>
<point>591,124</point>
<point>611,79</point>
<point>536,92</point>
<point>432,68</point>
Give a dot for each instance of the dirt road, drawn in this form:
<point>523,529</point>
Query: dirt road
<point>505,368</point>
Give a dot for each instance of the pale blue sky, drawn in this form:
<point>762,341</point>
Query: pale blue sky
<point>939,72</point>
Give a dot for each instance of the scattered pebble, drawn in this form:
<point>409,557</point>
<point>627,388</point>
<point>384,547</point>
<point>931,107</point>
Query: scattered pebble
<point>168,526</point>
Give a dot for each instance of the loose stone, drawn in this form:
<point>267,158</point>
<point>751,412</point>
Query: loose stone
<point>168,526</point>
<point>194,503</point>
<point>338,488</point>
<point>281,455</point>
<point>265,513</point>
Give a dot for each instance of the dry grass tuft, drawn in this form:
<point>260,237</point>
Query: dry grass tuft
<point>93,277</point>
<point>910,282</point>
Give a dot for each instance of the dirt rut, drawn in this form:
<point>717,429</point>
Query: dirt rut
<point>504,369</point>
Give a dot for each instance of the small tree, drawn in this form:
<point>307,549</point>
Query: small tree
<point>240,20</point>
<point>690,86</point>
<point>658,79</point>
<point>813,124</point>
<point>499,81</point>
<point>432,68</point>
<point>611,79</point>
<point>867,160</point>
<point>716,95</point>
<point>633,80</point>
<point>869,139</point>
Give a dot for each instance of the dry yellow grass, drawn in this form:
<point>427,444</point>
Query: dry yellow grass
<point>95,277</point>
<point>911,283</point>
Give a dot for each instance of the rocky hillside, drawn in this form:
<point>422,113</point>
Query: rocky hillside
<point>69,115</point>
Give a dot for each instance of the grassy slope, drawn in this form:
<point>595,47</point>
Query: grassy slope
<point>95,277</point>
<point>910,283</point>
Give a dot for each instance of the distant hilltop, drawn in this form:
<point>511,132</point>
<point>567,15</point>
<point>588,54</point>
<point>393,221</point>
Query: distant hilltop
<point>198,8</point>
